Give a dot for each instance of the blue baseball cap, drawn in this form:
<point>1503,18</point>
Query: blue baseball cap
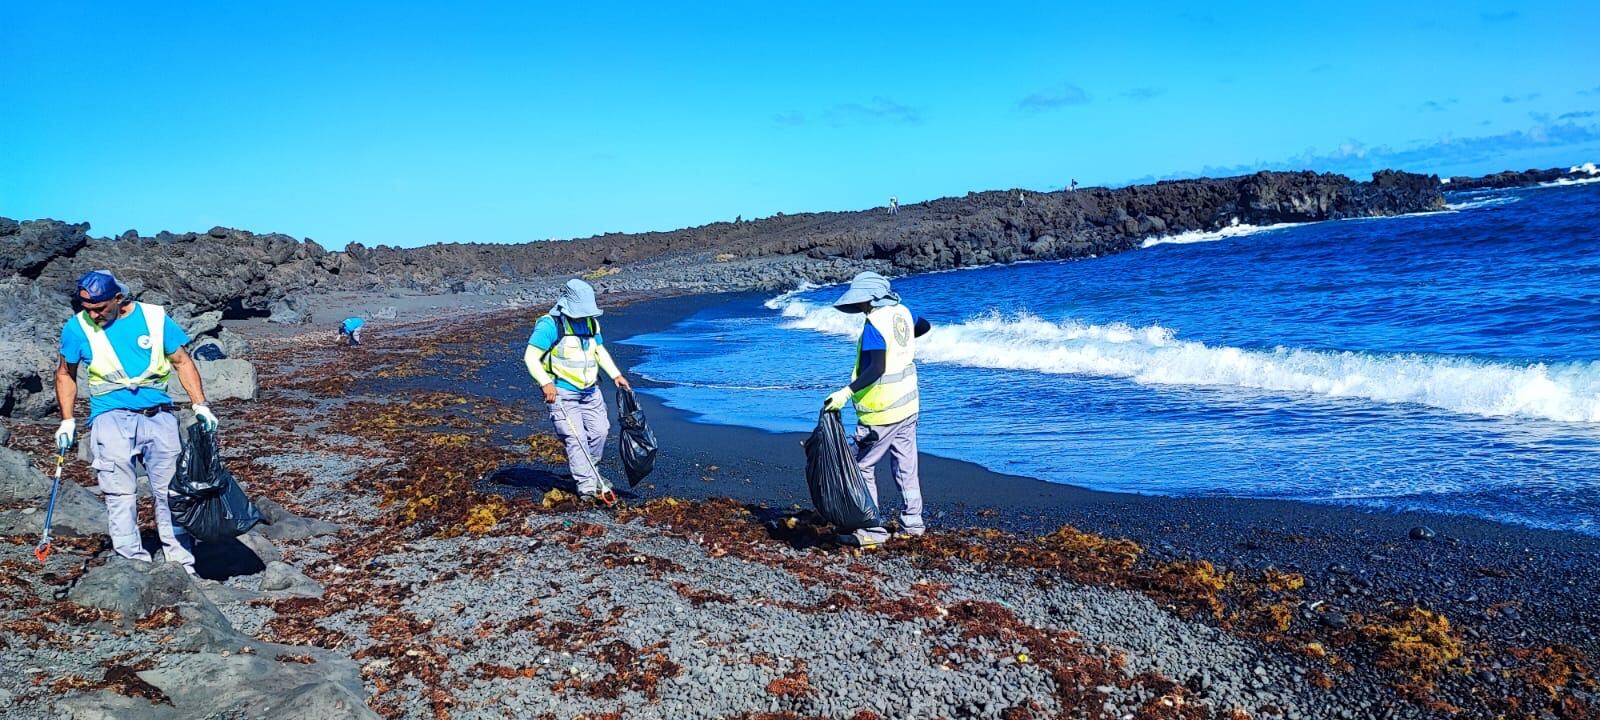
<point>100,286</point>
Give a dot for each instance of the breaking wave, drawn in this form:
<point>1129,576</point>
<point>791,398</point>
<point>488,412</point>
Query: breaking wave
<point>1155,355</point>
<point>1478,202</point>
<point>1199,236</point>
<point>1562,182</point>
<point>779,301</point>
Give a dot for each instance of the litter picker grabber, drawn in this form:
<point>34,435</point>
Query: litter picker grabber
<point>606,494</point>
<point>42,550</point>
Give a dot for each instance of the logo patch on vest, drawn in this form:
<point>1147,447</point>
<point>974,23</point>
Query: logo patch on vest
<point>144,340</point>
<point>902,330</point>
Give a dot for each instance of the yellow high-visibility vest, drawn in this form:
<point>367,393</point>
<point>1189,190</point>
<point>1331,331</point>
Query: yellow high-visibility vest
<point>894,396</point>
<point>569,360</point>
<point>105,369</point>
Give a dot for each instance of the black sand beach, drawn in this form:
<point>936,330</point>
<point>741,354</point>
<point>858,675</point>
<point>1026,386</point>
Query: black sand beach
<point>1363,557</point>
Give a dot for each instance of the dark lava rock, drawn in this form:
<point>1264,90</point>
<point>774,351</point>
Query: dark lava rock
<point>25,248</point>
<point>135,588</point>
<point>1422,532</point>
<point>1507,179</point>
<point>1333,620</point>
<point>288,311</point>
<point>23,489</point>
<point>284,525</point>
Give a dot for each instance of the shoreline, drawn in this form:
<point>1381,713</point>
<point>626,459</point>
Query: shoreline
<point>1332,543</point>
<point>660,314</point>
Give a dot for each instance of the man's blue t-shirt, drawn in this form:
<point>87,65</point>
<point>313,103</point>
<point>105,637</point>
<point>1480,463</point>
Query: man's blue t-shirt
<point>871,339</point>
<point>545,334</point>
<point>125,335</point>
<point>352,324</point>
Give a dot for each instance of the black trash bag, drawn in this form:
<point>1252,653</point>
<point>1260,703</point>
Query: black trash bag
<point>638,442</point>
<point>837,491</point>
<point>205,498</point>
<point>209,351</point>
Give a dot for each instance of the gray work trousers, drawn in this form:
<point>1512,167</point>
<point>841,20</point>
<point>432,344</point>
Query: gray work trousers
<point>119,436</point>
<point>582,425</point>
<point>899,442</point>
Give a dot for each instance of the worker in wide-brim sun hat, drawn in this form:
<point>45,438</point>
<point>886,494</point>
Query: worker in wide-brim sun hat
<point>565,356</point>
<point>883,387</point>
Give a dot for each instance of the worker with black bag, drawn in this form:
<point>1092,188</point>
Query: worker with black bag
<point>884,389</point>
<point>130,351</point>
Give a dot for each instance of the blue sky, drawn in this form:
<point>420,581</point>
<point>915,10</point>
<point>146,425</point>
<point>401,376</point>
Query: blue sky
<point>394,123</point>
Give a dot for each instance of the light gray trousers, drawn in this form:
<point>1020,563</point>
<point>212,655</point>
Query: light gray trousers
<point>582,425</point>
<point>899,442</point>
<point>118,438</point>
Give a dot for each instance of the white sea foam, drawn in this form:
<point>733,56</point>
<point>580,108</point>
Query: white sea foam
<point>1587,168</point>
<point>1199,236</point>
<point>1560,182</point>
<point>1480,202</point>
<point>781,300</point>
<point>1154,355</point>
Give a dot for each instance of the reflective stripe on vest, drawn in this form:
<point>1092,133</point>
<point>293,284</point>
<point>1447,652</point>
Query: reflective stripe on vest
<point>105,368</point>
<point>894,396</point>
<point>569,360</point>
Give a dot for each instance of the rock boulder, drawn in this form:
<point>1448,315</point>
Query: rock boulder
<point>282,580</point>
<point>226,379</point>
<point>280,524</point>
<point>26,247</point>
<point>78,511</point>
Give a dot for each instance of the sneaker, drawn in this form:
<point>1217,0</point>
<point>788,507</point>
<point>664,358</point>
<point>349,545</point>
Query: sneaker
<point>853,540</point>
<point>908,533</point>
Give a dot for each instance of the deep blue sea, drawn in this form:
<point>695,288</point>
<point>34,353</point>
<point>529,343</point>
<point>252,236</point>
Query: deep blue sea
<point>1444,361</point>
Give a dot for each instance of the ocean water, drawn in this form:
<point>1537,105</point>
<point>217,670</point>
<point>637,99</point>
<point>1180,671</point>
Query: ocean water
<point>1446,361</point>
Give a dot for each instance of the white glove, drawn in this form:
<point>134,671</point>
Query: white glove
<point>65,434</point>
<point>837,400</point>
<point>208,422</point>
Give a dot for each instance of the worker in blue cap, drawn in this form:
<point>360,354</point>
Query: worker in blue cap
<point>132,349</point>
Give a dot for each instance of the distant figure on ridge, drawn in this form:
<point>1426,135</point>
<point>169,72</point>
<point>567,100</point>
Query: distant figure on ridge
<point>884,389</point>
<point>132,349</point>
<point>1074,187</point>
<point>350,330</point>
<point>894,205</point>
<point>565,356</point>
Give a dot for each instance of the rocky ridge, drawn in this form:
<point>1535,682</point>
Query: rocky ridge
<point>237,274</point>
<point>1522,178</point>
